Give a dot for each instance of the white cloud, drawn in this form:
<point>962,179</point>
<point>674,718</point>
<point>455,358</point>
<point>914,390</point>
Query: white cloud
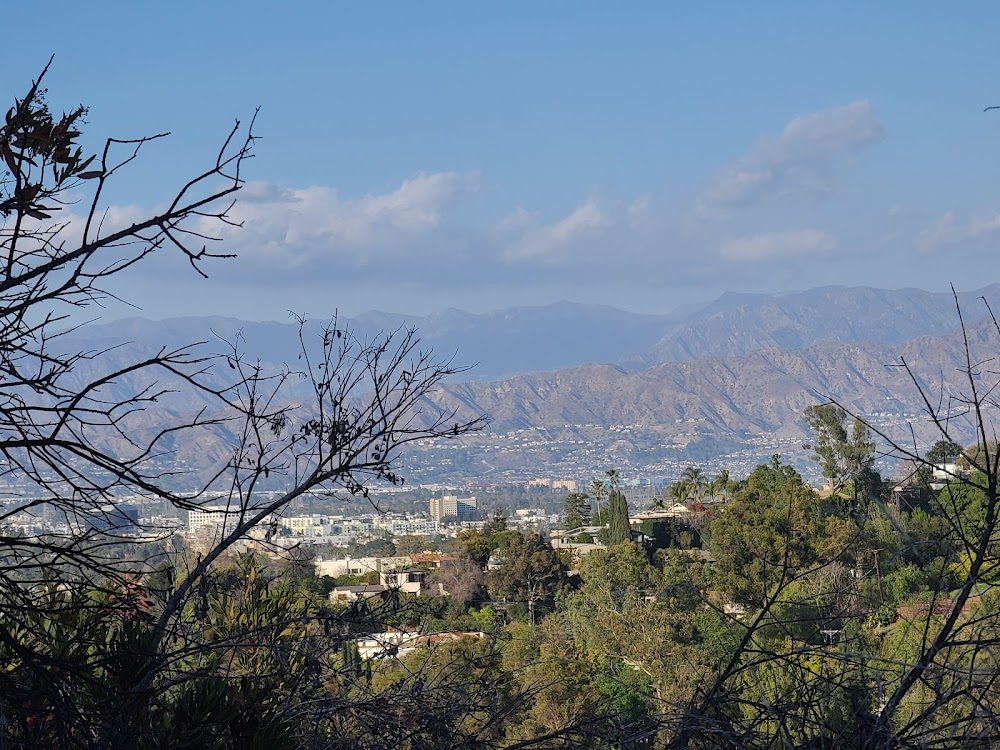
<point>796,161</point>
<point>589,229</point>
<point>791,244</point>
<point>417,236</point>
<point>290,227</point>
<point>538,242</point>
<point>948,231</point>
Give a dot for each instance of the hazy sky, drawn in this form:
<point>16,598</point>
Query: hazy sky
<point>420,156</point>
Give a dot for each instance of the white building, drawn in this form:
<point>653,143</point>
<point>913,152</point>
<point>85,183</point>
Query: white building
<point>314,525</point>
<point>358,566</point>
<point>462,508</point>
<point>408,525</point>
<point>223,517</point>
<point>207,516</point>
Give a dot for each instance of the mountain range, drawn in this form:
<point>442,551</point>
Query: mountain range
<point>738,371</point>
<point>523,340</point>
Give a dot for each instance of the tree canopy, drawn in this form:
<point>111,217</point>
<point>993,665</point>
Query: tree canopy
<point>529,572</point>
<point>843,447</point>
<point>577,512</point>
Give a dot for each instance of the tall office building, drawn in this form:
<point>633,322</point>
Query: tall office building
<point>462,508</point>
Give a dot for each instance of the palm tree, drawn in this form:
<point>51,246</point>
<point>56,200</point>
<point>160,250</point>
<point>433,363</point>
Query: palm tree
<point>597,491</point>
<point>719,487</point>
<point>678,491</point>
<point>613,478</point>
<point>695,479</point>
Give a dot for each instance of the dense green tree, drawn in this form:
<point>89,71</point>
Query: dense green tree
<point>943,452</point>
<point>619,528</point>
<point>475,544</point>
<point>844,448</point>
<point>529,572</point>
<point>623,614</point>
<point>619,568</point>
<point>560,681</point>
<point>577,512</point>
<point>766,533</point>
<point>495,525</point>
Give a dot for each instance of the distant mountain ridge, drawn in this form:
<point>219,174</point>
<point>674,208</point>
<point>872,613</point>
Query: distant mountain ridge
<point>739,371</point>
<point>501,343</point>
<point>734,325</point>
<point>764,392</point>
<point>523,340</point>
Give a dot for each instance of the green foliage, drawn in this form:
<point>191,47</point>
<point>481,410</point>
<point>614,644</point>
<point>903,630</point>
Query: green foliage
<point>331,582</point>
<point>625,696</point>
<point>928,535</point>
<point>720,636</point>
<point>845,453</point>
<point>448,695</point>
<point>529,570</point>
<point>376,548</point>
<point>496,525</point>
<point>641,631</point>
<point>410,544</point>
<point>943,452</point>
<point>626,614</point>
<point>619,528</point>
<point>559,681</point>
<point>659,532</point>
<point>445,622</point>
<point>487,618</point>
<point>223,714</point>
<point>693,480</point>
<point>479,544</point>
<point>768,532</point>
<point>963,506</point>
<point>577,512</point>
<point>402,609</point>
<point>475,544</point>
<point>620,568</point>
<point>235,693</point>
<point>903,582</point>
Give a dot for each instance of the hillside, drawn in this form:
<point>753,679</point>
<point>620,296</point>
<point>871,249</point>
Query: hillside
<point>731,411</point>
<point>799,350</point>
<point>735,325</point>
<point>498,344</point>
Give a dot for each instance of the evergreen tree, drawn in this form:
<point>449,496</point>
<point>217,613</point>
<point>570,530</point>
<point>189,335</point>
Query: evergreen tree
<point>694,478</point>
<point>943,452</point>
<point>619,530</point>
<point>529,571</point>
<point>577,511</point>
<point>844,448</point>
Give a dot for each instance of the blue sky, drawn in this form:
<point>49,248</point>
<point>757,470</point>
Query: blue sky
<point>420,156</point>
